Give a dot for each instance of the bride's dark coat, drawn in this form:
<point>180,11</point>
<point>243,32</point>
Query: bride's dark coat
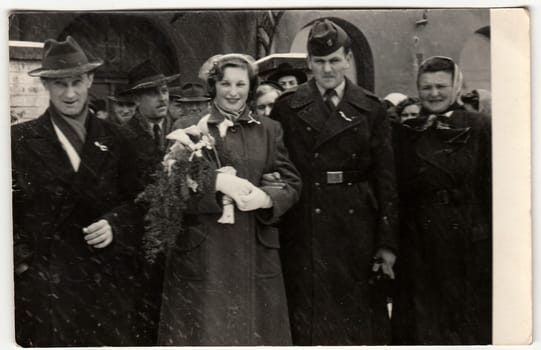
<point>223,283</point>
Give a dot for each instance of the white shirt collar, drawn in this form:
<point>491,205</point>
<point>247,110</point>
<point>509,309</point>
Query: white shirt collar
<point>151,125</point>
<point>339,89</point>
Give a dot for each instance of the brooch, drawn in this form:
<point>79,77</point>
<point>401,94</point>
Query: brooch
<point>343,116</point>
<point>101,146</point>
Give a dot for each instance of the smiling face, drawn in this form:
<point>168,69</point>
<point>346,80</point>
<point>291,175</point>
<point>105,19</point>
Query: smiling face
<point>329,71</point>
<point>232,91</point>
<point>124,110</point>
<point>153,102</point>
<point>436,91</point>
<point>69,95</point>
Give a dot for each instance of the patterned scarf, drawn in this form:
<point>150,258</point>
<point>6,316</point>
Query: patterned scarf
<point>230,114</point>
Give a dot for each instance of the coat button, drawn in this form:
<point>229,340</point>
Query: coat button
<point>355,129</point>
<point>317,211</point>
<point>233,129</point>
<point>308,128</point>
<point>316,184</point>
<point>351,211</point>
<point>316,155</point>
<point>59,191</point>
<point>353,155</point>
<point>349,184</point>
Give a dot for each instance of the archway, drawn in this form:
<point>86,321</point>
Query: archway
<point>475,60</point>
<point>361,71</point>
<point>122,41</point>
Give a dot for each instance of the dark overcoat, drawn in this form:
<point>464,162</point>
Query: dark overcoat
<point>330,237</point>
<point>223,283</point>
<point>150,278</point>
<point>149,157</point>
<point>72,294</point>
<point>445,265</point>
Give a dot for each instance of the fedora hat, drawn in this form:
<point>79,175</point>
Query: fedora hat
<point>145,75</point>
<point>121,95</point>
<point>285,69</point>
<point>64,59</point>
<point>193,92</point>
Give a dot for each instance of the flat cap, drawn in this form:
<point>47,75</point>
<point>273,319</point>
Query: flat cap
<point>326,37</point>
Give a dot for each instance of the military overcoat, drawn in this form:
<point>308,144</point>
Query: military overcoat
<point>346,212</point>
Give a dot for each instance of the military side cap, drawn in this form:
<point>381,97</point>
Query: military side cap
<point>325,37</point>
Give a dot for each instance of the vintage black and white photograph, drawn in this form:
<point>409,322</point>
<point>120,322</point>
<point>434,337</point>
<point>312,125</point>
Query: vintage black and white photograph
<point>252,177</point>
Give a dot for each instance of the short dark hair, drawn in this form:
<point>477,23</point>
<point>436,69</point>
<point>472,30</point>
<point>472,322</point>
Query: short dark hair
<point>217,74</point>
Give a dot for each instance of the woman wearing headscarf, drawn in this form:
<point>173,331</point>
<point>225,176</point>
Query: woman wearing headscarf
<point>223,283</point>
<point>444,175</point>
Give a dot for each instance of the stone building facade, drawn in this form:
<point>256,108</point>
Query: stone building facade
<point>388,45</point>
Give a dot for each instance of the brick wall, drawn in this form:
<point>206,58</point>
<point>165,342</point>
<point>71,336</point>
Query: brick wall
<point>28,97</point>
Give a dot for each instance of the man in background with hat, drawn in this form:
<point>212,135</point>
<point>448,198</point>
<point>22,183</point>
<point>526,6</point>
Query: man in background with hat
<point>150,124</point>
<point>175,107</point>
<point>74,183</point>
<point>148,128</point>
<point>287,77</point>
<point>123,106</point>
<point>194,102</point>
<point>342,234</point>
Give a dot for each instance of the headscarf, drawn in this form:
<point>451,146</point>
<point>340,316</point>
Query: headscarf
<point>457,79</point>
<point>426,120</point>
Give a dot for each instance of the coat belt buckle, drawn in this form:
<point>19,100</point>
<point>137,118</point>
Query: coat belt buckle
<point>443,197</point>
<point>335,177</point>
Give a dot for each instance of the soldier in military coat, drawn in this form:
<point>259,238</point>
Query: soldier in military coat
<point>338,137</point>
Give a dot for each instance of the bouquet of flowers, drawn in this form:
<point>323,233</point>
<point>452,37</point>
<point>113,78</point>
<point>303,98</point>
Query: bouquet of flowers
<point>185,174</point>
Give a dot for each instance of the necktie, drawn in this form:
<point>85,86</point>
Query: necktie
<point>157,136</point>
<point>330,97</point>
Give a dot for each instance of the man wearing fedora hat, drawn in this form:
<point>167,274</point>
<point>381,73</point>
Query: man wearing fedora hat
<point>194,102</point>
<point>150,124</point>
<point>73,189</point>
<point>148,128</point>
<point>287,77</point>
<point>175,107</point>
<point>343,230</point>
<point>123,106</point>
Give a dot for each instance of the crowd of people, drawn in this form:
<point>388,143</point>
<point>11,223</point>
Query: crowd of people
<point>311,212</point>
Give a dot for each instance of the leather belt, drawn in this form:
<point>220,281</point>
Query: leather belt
<point>339,177</point>
<point>443,197</point>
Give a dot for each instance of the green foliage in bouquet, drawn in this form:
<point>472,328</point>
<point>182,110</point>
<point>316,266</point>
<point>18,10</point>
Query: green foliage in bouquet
<point>177,186</point>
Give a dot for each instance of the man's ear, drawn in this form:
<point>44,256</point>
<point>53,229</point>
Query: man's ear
<point>45,83</point>
<point>308,62</point>
<point>349,57</point>
<point>137,99</point>
<point>90,79</point>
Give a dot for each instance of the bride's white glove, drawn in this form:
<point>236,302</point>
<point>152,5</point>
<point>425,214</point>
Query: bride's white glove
<point>254,200</point>
<point>233,186</point>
